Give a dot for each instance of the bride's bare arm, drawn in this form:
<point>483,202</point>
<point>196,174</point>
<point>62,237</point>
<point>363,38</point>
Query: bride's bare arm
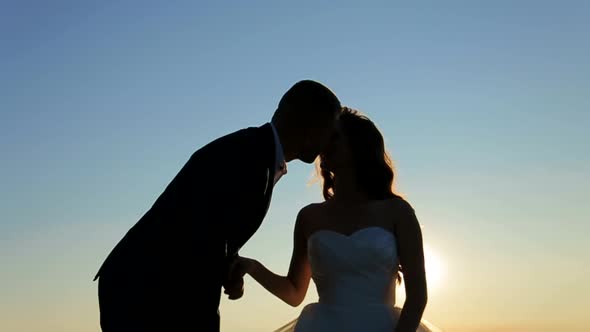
<point>293,287</point>
<point>411,254</point>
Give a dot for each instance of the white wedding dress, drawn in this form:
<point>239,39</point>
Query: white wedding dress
<point>355,280</point>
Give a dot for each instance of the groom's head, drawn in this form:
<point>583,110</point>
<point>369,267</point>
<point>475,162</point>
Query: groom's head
<point>305,119</point>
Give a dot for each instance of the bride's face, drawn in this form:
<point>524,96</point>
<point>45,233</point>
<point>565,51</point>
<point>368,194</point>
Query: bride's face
<point>337,154</point>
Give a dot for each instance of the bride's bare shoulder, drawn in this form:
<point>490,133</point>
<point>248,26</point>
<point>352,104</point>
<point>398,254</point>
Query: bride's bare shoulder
<point>311,211</point>
<point>308,217</point>
<point>399,206</point>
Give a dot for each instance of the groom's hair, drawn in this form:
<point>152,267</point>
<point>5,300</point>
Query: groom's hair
<point>307,99</point>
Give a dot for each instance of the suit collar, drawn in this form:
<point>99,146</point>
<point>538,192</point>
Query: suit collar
<point>280,167</point>
<point>268,149</point>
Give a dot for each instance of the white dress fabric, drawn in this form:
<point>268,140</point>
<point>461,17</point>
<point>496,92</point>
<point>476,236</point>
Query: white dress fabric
<point>355,280</point>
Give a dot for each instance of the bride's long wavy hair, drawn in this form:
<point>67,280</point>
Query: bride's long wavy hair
<point>373,165</point>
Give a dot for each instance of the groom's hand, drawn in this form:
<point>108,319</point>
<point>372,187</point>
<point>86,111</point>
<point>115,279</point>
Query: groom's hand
<point>234,283</point>
<point>234,288</point>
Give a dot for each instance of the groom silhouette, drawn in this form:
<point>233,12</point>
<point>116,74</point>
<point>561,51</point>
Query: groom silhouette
<point>167,272</point>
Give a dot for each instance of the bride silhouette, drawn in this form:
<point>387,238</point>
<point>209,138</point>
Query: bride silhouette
<point>354,245</point>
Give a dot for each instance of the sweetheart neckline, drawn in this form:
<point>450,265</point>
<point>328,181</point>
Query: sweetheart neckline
<point>351,235</point>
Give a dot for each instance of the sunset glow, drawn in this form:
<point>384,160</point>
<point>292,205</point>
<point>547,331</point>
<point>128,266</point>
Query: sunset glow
<point>484,107</point>
<point>434,268</point>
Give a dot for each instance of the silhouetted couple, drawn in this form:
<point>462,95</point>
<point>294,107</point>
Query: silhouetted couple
<point>170,269</point>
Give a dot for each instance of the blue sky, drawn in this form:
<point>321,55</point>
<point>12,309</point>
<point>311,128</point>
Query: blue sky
<point>484,107</point>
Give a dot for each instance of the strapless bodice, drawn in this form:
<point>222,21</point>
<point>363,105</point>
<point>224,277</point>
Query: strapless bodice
<point>356,269</point>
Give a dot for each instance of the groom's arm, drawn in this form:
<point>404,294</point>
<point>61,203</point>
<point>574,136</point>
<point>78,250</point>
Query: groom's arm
<point>248,185</point>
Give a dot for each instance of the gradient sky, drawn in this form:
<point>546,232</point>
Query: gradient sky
<point>485,107</point>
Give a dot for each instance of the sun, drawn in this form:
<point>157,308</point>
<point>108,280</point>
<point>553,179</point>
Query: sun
<point>434,268</point>
<point>435,273</point>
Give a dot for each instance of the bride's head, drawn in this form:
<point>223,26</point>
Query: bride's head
<point>357,149</point>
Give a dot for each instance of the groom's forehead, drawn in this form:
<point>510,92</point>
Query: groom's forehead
<point>335,127</point>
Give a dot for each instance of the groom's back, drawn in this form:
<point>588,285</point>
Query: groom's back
<point>181,217</point>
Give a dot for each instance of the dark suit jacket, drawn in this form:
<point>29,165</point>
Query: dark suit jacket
<point>208,212</point>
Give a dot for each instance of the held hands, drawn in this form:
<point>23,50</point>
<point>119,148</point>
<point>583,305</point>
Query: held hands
<point>234,283</point>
